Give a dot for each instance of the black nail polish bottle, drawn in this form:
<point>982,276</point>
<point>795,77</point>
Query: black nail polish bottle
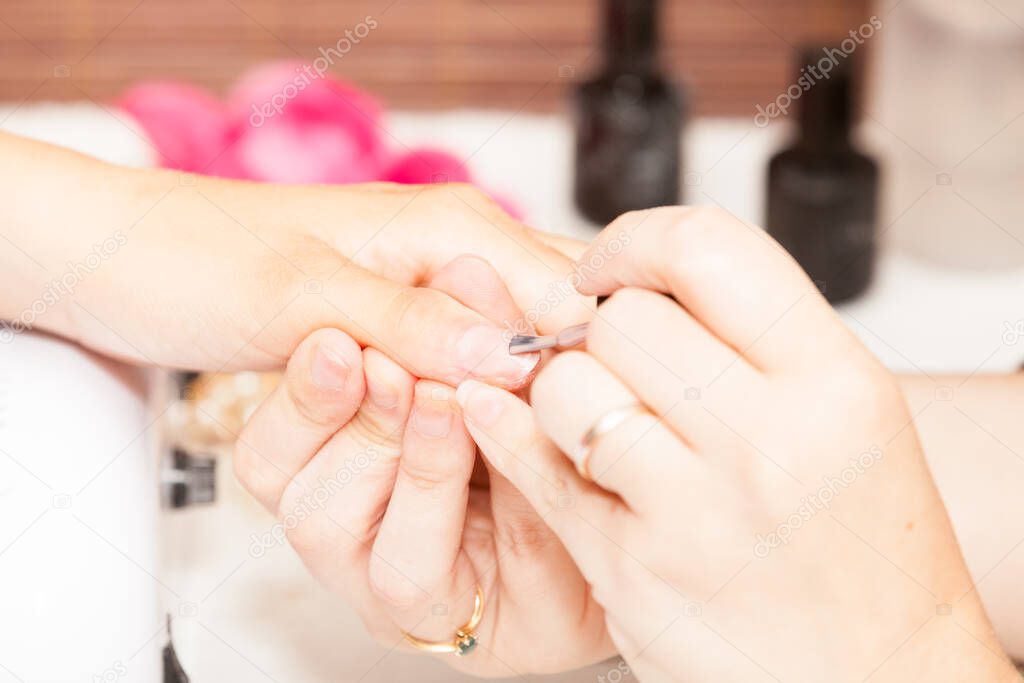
<point>628,120</point>
<point>822,192</point>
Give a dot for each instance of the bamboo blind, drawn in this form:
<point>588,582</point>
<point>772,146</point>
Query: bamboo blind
<point>422,53</point>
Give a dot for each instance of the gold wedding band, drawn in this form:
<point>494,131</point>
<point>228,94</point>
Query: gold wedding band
<point>606,423</point>
<point>464,642</point>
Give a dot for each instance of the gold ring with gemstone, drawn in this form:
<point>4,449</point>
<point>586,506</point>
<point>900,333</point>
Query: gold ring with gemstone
<point>464,642</point>
<point>604,424</point>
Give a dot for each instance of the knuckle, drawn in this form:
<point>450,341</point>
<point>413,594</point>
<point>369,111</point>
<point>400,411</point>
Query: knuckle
<point>525,537</point>
<point>685,229</point>
<point>630,220</point>
<point>554,492</point>
<point>624,310</point>
<point>423,313</point>
<point>429,477</point>
<point>625,304</point>
<point>370,429</point>
<point>254,474</point>
<point>471,195</point>
<point>309,528</point>
<point>393,588</point>
<point>870,393</point>
<point>404,307</point>
<point>303,537</point>
<point>473,205</point>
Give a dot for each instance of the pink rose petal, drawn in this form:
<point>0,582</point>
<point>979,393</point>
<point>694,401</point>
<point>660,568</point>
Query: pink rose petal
<point>188,127</point>
<point>426,165</point>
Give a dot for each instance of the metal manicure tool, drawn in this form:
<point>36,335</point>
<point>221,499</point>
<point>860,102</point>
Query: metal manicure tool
<point>528,343</point>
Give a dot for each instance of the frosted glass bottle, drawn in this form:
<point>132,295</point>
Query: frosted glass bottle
<point>947,118</point>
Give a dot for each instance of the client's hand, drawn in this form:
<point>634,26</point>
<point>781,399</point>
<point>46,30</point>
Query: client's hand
<point>202,273</point>
<point>381,501</point>
<point>761,509</point>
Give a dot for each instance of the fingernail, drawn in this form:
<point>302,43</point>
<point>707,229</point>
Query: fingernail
<point>479,403</point>
<point>329,370</point>
<point>483,352</point>
<point>431,417</point>
<point>381,394</point>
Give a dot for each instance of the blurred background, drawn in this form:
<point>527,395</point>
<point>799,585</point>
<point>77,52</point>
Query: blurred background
<point>503,54</point>
<point>894,179</point>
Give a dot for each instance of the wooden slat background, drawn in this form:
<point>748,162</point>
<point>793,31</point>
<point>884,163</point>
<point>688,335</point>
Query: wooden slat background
<point>423,53</point>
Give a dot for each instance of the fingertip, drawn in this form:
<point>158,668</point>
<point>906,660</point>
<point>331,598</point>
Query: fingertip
<point>336,359</point>
<point>389,386</point>
<point>483,352</point>
<point>325,377</point>
<point>433,410</point>
<point>481,404</point>
<point>500,422</point>
<point>463,391</point>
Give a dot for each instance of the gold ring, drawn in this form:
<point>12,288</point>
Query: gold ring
<point>606,423</point>
<point>465,640</point>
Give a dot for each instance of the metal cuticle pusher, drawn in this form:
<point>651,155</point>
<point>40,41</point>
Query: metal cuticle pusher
<point>528,343</point>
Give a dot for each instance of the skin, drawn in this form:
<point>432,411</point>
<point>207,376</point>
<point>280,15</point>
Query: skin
<point>211,274</point>
<point>974,444</point>
<point>410,536</point>
<point>799,399</point>
<point>859,591</point>
<point>263,270</point>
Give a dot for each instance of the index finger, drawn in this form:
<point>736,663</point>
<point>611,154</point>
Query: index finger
<point>427,332</point>
<point>539,275</point>
<point>732,277</point>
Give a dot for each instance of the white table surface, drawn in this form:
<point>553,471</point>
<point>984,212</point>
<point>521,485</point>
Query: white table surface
<point>243,619</point>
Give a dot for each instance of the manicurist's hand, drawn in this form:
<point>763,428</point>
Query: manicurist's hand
<point>759,507</point>
<point>177,270</point>
<point>374,482</point>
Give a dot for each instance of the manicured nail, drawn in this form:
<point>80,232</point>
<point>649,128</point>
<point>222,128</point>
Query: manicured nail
<point>483,352</point>
<point>479,402</point>
<point>330,371</point>
<point>431,416</point>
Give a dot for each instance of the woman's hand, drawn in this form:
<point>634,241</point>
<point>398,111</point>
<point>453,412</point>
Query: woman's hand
<point>166,268</point>
<point>767,514</point>
<point>379,497</point>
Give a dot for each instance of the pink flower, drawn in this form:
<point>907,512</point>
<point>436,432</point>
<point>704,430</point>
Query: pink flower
<point>298,127</point>
<point>186,125</point>
<point>426,165</point>
<point>283,122</point>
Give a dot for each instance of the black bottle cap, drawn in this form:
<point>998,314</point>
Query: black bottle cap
<point>631,34</point>
<point>826,77</point>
